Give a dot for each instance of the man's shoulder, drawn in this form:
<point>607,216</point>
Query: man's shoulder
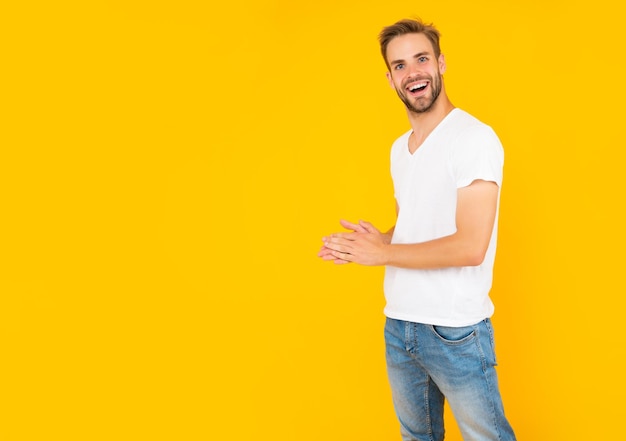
<point>402,140</point>
<point>466,127</point>
<point>463,118</point>
<point>404,137</point>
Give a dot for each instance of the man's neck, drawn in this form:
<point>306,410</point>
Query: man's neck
<point>424,123</point>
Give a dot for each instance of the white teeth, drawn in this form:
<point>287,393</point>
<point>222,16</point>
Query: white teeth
<point>414,87</point>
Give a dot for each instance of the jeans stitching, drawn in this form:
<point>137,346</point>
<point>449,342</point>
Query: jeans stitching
<point>429,422</point>
<point>487,378</point>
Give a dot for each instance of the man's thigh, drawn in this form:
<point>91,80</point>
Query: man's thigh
<point>417,400</point>
<point>461,361</point>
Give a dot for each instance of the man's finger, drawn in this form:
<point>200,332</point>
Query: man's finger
<point>343,257</point>
<point>350,226</point>
<point>368,227</point>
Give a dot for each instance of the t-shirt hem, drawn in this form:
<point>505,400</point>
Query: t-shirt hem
<point>439,321</point>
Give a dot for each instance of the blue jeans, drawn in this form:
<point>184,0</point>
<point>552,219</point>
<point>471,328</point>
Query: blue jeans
<point>427,364</point>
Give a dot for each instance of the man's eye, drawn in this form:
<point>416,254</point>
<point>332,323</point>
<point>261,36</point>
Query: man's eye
<point>398,66</point>
<point>422,59</point>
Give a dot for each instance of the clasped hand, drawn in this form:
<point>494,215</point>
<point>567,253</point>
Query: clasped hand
<point>365,245</point>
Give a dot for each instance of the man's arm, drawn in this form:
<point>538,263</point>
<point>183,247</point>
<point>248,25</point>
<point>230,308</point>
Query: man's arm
<point>475,217</point>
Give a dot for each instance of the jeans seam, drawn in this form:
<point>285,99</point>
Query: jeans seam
<point>427,406</point>
<point>481,353</point>
<point>487,379</point>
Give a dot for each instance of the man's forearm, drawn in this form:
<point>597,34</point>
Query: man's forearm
<point>450,251</point>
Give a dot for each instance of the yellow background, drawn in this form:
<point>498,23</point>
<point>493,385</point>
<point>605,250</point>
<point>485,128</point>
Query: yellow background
<point>168,169</point>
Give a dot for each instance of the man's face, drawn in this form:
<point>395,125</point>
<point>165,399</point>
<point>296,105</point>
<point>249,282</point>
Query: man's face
<point>414,73</point>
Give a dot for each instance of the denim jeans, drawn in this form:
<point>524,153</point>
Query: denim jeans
<point>427,364</point>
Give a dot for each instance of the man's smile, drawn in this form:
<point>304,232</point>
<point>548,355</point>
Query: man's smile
<point>417,87</point>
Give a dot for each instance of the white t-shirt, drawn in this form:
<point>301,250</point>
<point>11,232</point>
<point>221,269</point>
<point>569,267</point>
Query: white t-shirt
<point>458,151</point>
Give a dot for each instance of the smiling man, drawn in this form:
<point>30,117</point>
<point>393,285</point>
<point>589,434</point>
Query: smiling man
<point>439,256</point>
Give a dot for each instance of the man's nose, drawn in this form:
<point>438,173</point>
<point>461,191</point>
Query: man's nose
<point>414,68</point>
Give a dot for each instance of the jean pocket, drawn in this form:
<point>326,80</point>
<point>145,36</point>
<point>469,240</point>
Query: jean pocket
<point>455,335</point>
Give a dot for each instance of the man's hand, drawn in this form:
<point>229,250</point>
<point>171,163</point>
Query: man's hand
<point>365,245</point>
<point>327,253</point>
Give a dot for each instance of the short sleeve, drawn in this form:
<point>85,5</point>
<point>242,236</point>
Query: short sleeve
<point>477,154</point>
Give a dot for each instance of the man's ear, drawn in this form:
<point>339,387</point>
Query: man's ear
<point>442,64</point>
<point>390,81</point>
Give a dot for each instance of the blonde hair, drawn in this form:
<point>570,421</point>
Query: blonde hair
<point>408,26</point>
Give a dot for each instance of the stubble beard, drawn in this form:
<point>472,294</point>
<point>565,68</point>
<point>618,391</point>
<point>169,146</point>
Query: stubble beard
<point>425,103</point>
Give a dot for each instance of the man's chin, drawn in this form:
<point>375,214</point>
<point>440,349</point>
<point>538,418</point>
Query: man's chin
<point>422,109</point>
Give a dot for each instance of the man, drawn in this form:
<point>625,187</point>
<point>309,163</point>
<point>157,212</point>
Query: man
<point>447,173</point>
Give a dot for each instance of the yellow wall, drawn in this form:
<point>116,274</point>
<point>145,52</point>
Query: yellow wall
<point>168,170</point>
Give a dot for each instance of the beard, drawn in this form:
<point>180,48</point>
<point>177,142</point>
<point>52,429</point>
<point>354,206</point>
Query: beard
<point>422,104</point>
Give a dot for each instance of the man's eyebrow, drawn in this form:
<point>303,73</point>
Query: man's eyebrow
<point>396,62</point>
<point>419,54</point>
